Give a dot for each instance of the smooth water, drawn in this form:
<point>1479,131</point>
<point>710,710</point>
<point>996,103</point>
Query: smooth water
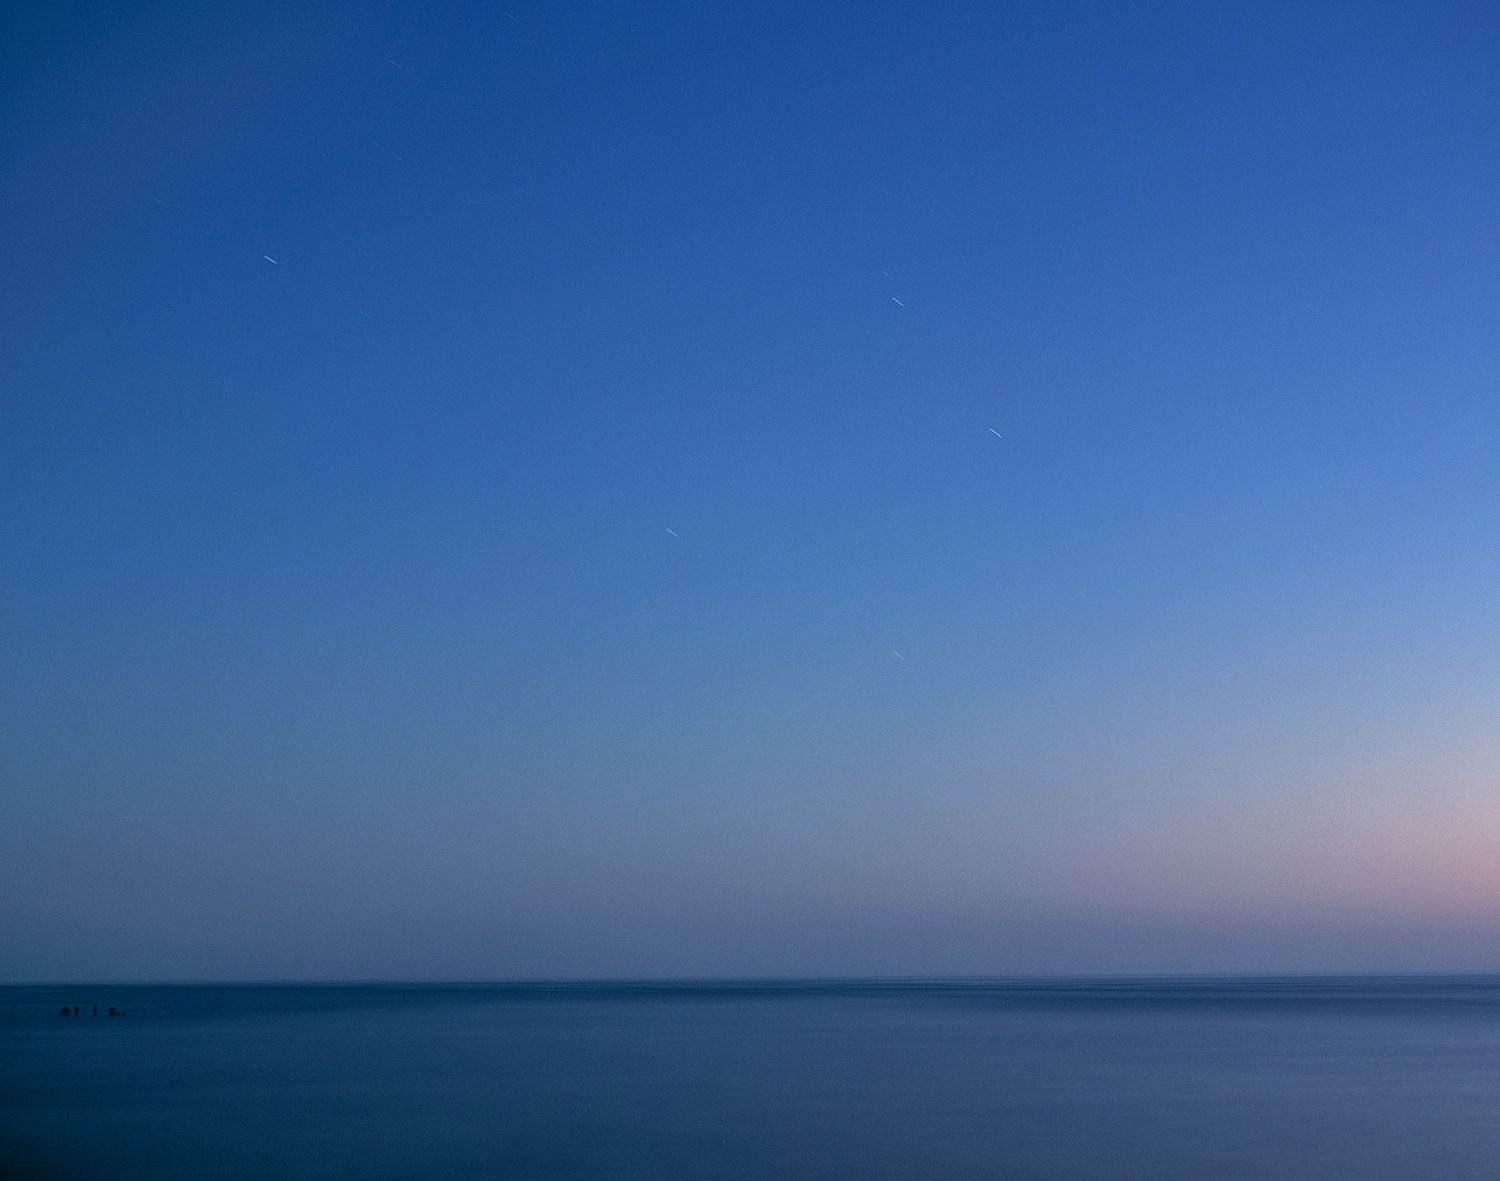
<point>1185,1080</point>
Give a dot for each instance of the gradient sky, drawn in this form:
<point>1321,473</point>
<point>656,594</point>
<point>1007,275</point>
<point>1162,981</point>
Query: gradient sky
<point>748,489</point>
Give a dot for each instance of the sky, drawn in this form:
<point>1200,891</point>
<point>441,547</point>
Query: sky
<point>546,490</point>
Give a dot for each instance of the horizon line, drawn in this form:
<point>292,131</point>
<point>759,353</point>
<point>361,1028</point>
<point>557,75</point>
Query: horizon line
<point>679,981</point>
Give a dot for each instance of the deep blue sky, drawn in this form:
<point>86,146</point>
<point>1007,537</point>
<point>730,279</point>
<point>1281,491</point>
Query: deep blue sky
<point>749,489</point>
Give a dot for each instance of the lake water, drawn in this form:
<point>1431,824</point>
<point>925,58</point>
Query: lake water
<point>1164,1080</point>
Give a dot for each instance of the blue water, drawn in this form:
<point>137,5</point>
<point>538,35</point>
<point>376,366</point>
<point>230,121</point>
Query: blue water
<point>1372,1079</point>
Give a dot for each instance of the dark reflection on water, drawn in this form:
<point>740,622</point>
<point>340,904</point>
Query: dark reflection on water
<point>1187,1078</point>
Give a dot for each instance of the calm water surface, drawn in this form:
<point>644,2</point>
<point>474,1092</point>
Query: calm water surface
<point>1374,1079</point>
